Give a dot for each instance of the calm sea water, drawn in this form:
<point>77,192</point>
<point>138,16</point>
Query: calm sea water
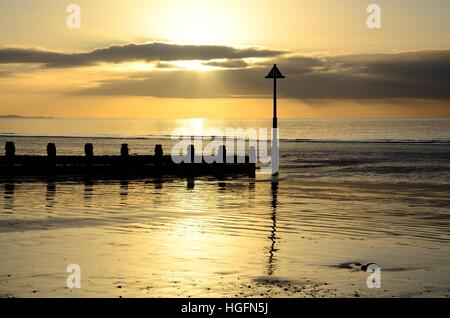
<point>349,191</point>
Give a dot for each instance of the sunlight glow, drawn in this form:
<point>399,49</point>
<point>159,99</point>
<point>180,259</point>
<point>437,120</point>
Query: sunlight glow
<point>194,28</point>
<point>195,22</point>
<point>193,66</point>
<point>194,125</point>
<point>188,65</point>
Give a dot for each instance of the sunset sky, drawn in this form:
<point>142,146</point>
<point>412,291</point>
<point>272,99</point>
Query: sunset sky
<point>165,59</point>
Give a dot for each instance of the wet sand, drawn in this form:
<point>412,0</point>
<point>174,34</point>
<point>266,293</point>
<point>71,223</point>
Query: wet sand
<point>229,238</point>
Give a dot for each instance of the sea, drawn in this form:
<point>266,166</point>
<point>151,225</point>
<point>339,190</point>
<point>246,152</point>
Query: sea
<point>350,193</point>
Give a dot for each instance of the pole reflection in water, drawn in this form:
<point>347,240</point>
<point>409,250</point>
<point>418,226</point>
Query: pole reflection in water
<point>271,266</point>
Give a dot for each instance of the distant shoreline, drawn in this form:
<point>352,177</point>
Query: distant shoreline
<point>24,117</point>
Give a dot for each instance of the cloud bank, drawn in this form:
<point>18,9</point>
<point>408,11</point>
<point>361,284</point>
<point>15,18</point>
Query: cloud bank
<point>407,75</point>
<point>411,75</point>
<point>128,53</point>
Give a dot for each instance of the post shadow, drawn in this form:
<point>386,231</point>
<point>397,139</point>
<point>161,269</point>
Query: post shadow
<point>271,266</point>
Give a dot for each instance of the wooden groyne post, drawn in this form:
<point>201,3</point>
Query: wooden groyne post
<point>89,154</point>
<point>159,154</point>
<point>51,154</point>
<point>123,165</point>
<point>10,153</point>
<point>124,151</point>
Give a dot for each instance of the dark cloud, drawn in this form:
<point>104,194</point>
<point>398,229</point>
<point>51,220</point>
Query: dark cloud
<point>130,52</point>
<point>433,65</point>
<point>296,65</point>
<point>411,75</point>
<point>407,75</point>
<point>421,74</point>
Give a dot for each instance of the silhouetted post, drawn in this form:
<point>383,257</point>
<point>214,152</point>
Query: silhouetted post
<point>51,150</point>
<point>51,154</point>
<point>252,161</point>
<point>222,154</point>
<point>124,152</point>
<point>252,155</point>
<point>89,152</point>
<point>275,155</point>
<point>10,153</point>
<point>10,150</point>
<point>159,151</point>
<point>158,154</point>
<point>191,153</point>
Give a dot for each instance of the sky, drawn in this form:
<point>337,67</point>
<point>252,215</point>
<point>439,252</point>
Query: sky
<point>166,59</point>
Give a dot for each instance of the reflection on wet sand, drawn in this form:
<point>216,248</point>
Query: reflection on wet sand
<point>208,237</point>
<point>190,183</point>
<point>88,190</point>
<point>124,188</point>
<point>158,182</point>
<point>271,262</point>
<point>8,196</point>
<point>51,192</point>
<point>222,185</point>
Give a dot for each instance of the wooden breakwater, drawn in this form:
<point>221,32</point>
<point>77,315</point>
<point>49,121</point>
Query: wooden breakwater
<point>121,166</point>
